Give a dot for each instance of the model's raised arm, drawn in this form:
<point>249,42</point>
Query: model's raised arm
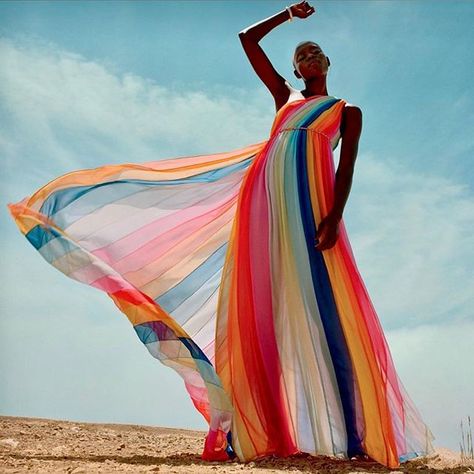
<point>250,37</point>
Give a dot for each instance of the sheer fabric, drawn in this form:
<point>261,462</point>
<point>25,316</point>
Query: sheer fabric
<point>212,259</point>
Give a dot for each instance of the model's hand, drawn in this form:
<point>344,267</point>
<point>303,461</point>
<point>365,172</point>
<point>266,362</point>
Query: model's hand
<point>302,9</point>
<point>328,232</point>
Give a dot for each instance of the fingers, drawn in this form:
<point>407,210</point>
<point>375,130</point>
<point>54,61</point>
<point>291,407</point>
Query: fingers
<point>325,242</point>
<point>320,240</point>
<point>321,229</point>
<point>319,233</point>
<point>305,8</point>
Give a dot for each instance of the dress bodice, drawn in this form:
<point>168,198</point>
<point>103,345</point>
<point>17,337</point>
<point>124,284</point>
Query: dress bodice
<point>319,114</point>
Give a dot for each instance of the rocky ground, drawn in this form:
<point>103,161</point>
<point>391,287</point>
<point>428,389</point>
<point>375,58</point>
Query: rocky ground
<point>43,446</point>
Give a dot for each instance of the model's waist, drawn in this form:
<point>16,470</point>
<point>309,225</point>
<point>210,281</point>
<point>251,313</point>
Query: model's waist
<point>312,130</point>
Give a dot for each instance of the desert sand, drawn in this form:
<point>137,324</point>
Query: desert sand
<point>41,445</point>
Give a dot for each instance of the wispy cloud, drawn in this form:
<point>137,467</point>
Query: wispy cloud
<point>412,234</point>
<point>61,112</point>
<point>434,363</point>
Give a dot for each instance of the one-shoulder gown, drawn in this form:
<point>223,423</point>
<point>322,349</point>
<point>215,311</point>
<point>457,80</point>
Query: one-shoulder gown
<point>212,259</point>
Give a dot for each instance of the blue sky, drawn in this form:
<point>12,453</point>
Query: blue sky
<point>83,84</point>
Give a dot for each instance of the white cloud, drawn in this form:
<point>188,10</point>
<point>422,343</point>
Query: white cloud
<point>413,241</point>
<point>63,112</point>
<point>435,365</point>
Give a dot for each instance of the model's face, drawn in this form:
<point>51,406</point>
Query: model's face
<point>310,60</point>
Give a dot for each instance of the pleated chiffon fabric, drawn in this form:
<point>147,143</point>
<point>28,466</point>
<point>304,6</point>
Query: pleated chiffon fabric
<point>212,259</point>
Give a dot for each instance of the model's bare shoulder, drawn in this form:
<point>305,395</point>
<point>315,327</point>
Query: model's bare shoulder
<point>351,121</point>
<point>352,109</point>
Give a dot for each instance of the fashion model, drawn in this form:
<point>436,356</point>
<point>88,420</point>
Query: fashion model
<point>235,269</point>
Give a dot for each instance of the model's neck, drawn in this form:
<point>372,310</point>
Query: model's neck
<point>315,86</point>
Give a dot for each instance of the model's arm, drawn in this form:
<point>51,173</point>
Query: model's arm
<point>351,127</point>
<point>250,37</point>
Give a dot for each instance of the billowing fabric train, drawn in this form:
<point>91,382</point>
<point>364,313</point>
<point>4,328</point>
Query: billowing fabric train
<point>212,260</point>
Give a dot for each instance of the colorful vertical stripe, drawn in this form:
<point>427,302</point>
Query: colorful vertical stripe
<point>212,259</point>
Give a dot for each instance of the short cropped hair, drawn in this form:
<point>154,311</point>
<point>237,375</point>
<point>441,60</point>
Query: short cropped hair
<point>299,45</point>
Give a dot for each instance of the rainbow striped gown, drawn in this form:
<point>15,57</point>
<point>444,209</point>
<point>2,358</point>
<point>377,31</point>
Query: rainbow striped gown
<point>212,259</point>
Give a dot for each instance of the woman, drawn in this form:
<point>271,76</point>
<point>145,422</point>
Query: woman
<point>214,261</point>
<point>318,377</point>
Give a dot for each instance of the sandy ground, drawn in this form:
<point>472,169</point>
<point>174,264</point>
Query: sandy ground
<point>40,445</point>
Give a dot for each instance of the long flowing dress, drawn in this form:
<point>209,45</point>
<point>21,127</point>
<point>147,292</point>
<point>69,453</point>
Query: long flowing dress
<point>212,259</point>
